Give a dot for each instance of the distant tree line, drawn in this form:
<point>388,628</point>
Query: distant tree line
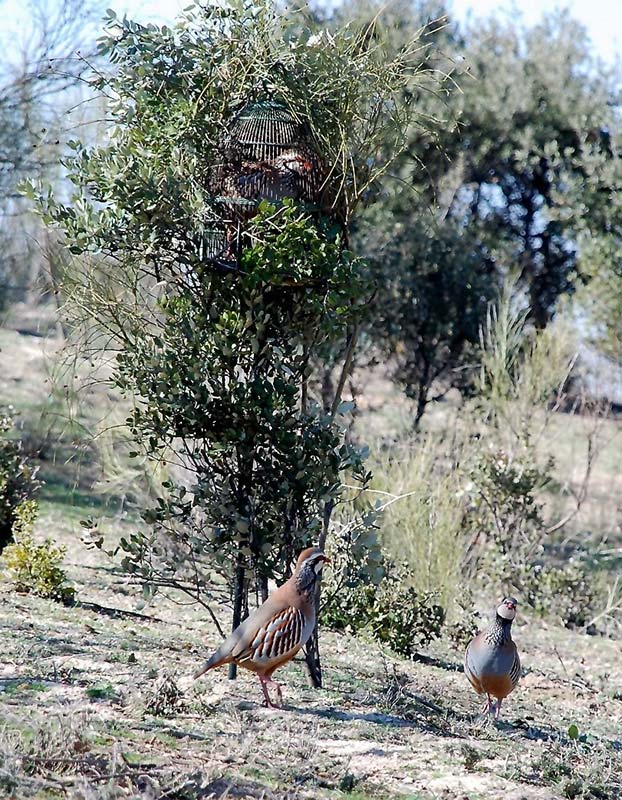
<point>518,172</point>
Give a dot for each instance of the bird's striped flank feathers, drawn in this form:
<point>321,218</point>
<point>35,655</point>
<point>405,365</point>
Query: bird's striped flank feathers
<point>275,632</point>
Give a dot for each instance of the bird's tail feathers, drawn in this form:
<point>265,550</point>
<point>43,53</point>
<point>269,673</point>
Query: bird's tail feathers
<point>215,661</point>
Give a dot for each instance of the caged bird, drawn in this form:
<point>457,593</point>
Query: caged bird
<point>286,175</point>
<point>491,661</point>
<point>245,184</point>
<point>272,634</point>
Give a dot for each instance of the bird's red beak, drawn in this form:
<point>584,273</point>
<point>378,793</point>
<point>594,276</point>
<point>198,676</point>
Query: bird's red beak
<point>326,559</point>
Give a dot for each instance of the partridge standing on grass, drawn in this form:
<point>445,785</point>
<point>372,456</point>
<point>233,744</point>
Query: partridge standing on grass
<point>275,632</point>
<point>491,661</point>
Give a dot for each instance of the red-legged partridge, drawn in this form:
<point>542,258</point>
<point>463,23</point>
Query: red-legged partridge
<point>491,660</point>
<point>272,634</point>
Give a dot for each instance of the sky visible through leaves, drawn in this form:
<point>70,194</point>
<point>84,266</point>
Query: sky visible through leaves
<point>602,18</point>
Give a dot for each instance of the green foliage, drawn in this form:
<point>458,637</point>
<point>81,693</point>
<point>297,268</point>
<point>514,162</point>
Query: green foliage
<point>173,93</point>
<point>522,369</point>
<point>365,592</point>
<point>509,539</point>
<point>464,626</point>
<point>566,591</point>
<point>434,283</point>
<point>505,514</point>
<point>217,361</point>
<point>392,613</point>
<point>580,769</point>
<point>17,482</point>
<point>520,168</point>
<point>103,692</point>
<point>600,299</point>
<point>224,376</point>
<point>35,568</point>
<point>535,123</point>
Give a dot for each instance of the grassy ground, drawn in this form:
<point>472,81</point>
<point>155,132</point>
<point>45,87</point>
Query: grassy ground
<point>90,704</point>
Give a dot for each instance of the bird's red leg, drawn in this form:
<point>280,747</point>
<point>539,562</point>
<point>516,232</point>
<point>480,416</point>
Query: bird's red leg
<point>498,708</point>
<point>264,687</point>
<point>279,692</point>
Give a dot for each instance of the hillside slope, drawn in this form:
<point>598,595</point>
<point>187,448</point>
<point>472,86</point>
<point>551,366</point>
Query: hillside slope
<point>79,688</point>
<point>90,704</point>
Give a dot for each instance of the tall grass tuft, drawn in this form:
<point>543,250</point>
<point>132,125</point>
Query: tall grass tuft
<point>421,523</point>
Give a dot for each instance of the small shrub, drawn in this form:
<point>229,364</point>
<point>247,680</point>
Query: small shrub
<point>464,627</point>
<point>504,514</point>
<point>35,567</point>
<point>510,540</point>
<point>581,771</point>
<point>165,699</point>
<point>565,591</point>
<point>392,613</point>
<point>102,692</point>
<point>17,480</point>
<point>471,756</point>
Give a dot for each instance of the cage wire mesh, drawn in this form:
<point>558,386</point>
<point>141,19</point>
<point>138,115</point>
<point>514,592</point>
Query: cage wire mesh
<point>267,154</point>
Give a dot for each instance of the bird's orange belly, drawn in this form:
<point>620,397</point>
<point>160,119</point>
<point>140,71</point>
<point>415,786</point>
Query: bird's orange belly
<point>498,686</point>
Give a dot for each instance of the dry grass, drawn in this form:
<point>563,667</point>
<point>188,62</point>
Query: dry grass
<point>79,687</point>
<point>422,525</point>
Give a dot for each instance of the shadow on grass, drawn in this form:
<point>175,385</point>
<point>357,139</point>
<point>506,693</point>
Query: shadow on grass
<point>61,489</point>
<point>170,730</point>
<point>440,663</point>
<point>116,613</point>
<point>223,788</point>
<point>376,717</point>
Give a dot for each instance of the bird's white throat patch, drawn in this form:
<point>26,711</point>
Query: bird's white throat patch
<point>506,613</point>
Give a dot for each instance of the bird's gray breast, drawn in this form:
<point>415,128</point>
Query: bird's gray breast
<point>493,660</point>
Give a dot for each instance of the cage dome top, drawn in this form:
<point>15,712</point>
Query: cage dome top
<point>263,129</point>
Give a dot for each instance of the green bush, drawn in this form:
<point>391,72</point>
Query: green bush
<point>504,520</point>
<point>35,568</point>
<point>392,612</point>
<point>17,480</point>
<point>511,544</point>
<point>464,625</point>
<point>565,591</point>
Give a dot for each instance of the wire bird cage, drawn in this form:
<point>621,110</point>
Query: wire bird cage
<point>266,155</point>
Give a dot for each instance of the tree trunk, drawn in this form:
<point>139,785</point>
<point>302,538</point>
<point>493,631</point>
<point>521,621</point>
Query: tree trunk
<point>238,606</point>
<point>328,390</point>
<point>313,662</point>
<point>263,587</point>
<point>312,650</point>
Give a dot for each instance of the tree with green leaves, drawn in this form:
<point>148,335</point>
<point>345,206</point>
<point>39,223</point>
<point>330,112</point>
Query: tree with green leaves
<point>536,117</point>
<point>434,284</point>
<point>217,353</point>
<point>517,173</point>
